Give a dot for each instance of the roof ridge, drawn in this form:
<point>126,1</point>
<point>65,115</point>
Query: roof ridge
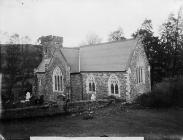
<point>76,48</point>
<point>93,45</point>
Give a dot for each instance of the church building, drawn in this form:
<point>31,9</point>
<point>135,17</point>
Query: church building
<point>92,72</point>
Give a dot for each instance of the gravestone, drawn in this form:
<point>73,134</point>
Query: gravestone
<point>28,96</point>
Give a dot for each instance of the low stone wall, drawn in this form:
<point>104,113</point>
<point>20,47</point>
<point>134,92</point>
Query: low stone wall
<point>49,110</point>
<point>32,111</point>
<point>80,106</point>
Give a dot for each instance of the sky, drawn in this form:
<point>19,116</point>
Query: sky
<point>75,19</point>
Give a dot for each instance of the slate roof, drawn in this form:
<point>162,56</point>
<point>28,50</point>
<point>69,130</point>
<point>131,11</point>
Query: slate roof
<point>72,57</point>
<point>112,56</point>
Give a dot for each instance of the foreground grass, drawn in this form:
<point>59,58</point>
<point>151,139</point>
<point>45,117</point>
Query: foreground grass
<point>110,121</point>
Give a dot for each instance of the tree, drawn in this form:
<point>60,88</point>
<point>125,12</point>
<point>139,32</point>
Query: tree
<point>145,29</point>
<point>91,39</point>
<point>13,68</point>
<point>14,39</point>
<point>153,49</point>
<point>146,36</point>
<point>165,53</point>
<point>25,40</point>
<point>172,42</point>
<point>117,35</point>
<point>4,36</point>
<point>17,68</point>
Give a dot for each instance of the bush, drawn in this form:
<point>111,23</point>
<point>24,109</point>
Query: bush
<point>165,94</point>
<point>115,99</point>
<point>88,115</point>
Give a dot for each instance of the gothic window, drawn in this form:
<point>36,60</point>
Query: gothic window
<point>57,80</point>
<point>113,85</point>
<point>40,83</point>
<point>112,88</point>
<point>116,89</point>
<point>90,87</point>
<point>90,84</point>
<point>46,50</point>
<point>93,86</point>
<point>140,72</point>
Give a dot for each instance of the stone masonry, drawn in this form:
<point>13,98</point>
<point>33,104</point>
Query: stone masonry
<point>137,89</point>
<point>101,81</point>
<point>76,87</point>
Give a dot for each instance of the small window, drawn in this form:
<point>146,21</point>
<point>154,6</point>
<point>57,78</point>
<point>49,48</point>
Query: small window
<point>90,87</point>
<point>112,88</point>
<point>91,84</point>
<point>61,81</point>
<point>116,89</point>
<point>113,85</point>
<point>140,70</point>
<point>140,75</point>
<point>55,82</point>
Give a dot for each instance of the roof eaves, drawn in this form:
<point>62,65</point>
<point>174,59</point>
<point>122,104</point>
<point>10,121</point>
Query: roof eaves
<point>76,48</point>
<point>40,72</point>
<point>93,45</point>
<point>37,69</point>
<point>101,71</point>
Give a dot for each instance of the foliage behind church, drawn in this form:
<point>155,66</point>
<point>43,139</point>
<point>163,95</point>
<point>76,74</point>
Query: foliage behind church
<point>17,64</point>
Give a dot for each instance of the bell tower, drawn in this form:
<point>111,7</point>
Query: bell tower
<point>50,43</point>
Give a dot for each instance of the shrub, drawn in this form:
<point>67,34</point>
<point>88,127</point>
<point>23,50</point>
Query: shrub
<point>165,94</point>
<point>41,100</point>
<point>178,93</point>
<point>88,115</point>
<point>115,99</point>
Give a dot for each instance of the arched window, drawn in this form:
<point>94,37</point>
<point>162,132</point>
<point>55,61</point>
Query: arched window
<point>57,80</point>
<point>113,85</point>
<point>93,86</point>
<point>112,88</point>
<point>90,87</point>
<point>116,89</point>
<point>90,84</point>
<point>140,70</point>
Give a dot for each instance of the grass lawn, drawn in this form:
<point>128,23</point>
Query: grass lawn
<point>110,121</point>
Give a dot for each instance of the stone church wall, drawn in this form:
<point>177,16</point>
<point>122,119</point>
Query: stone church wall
<point>46,87</point>
<point>40,81</point>
<point>76,87</point>
<point>137,89</point>
<point>101,79</point>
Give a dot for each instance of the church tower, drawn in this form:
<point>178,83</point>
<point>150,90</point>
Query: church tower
<point>50,43</point>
